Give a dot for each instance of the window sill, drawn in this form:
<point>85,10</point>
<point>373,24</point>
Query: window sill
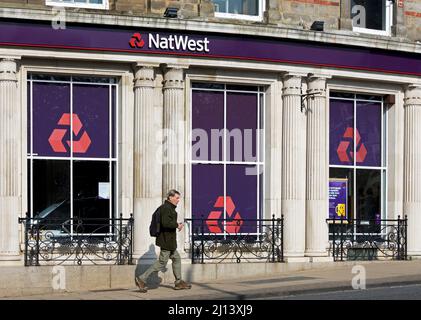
<point>238,16</point>
<point>372,32</point>
<point>104,6</point>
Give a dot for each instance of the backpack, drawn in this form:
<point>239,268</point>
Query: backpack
<point>155,226</point>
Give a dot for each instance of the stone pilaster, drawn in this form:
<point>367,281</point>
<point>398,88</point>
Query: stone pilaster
<point>10,160</point>
<point>147,194</point>
<point>412,167</point>
<point>173,175</point>
<point>317,173</point>
<point>293,167</point>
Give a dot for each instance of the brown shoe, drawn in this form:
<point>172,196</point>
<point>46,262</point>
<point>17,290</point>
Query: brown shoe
<point>182,285</point>
<point>141,285</point>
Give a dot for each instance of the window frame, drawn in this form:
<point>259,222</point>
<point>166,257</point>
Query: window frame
<point>112,159</point>
<point>260,147</point>
<point>383,168</point>
<point>257,18</point>
<point>105,5</point>
<point>388,23</point>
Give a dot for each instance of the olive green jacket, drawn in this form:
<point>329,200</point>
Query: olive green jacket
<point>167,238</point>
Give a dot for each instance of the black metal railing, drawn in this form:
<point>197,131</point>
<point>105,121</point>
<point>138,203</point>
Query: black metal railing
<point>357,239</point>
<point>78,241</point>
<point>236,240</point>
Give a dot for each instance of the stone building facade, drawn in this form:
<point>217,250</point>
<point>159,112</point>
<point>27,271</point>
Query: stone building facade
<point>262,55</point>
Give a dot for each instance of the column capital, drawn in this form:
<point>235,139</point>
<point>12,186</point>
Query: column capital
<point>174,76</point>
<point>413,95</point>
<point>316,83</point>
<point>144,75</point>
<point>8,69</point>
<point>292,83</point>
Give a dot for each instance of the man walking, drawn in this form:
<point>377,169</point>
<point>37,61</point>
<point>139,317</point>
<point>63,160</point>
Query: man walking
<point>167,241</point>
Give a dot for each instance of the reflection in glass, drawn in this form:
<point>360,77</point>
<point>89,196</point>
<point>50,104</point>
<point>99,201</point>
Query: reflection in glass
<point>51,196</point>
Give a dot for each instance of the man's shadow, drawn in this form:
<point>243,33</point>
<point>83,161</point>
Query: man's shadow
<point>154,280</point>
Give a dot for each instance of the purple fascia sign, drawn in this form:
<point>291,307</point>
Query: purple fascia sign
<point>113,39</point>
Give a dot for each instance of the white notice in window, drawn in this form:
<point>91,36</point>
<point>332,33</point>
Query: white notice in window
<point>103,190</point>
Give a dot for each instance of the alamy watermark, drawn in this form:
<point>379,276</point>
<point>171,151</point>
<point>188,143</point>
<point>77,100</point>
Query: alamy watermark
<point>359,280</point>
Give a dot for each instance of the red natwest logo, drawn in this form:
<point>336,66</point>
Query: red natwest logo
<point>230,226</point>
<point>136,41</point>
<point>344,152</point>
<point>56,137</point>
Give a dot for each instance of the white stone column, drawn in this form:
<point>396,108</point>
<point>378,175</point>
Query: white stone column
<point>174,147</point>
<point>147,192</point>
<point>317,173</point>
<point>293,168</point>
<point>10,162</point>
<point>412,167</point>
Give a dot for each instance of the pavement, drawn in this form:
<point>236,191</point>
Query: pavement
<point>312,284</point>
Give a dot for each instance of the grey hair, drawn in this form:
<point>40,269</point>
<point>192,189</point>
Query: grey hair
<point>172,193</point>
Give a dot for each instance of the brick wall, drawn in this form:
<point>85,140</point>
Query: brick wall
<point>412,18</point>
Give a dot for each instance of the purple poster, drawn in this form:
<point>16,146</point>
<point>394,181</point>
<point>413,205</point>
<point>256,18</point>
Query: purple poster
<point>368,136</point>
<point>208,121</point>
<point>50,113</point>
<point>338,195</point>
<point>341,132</point>
<point>91,121</point>
<point>241,126</point>
<point>242,196</point>
<point>207,188</point>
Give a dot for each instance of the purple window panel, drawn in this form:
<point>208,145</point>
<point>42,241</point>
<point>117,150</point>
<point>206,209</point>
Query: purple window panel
<point>241,196</point>
<point>114,121</point>
<point>241,127</point>
<point>208,120</point>
<point>91,120</point>
<point>207,188</point>
<point>51,131</point>
<point>368,148</point>
<point>341,132</point>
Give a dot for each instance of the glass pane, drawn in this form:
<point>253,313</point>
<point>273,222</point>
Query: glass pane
<point>207,194</point>
<point>28,118</point>
<point>114,143</point>
<point>241,87</point>
<point>220,5</point>
<point>51,119</point>
<point>49,77</point>
<point>371,14</point>
<point>341,200</point>
<point>338,94</point>
<point>207,124</point>
<point>51,191</point>
<point>248,7</point>
<point>261,129</point>
<point>241,120</point>
<point>341,132</point>
<point>368,134</point>
<point>91,120</point>
<point>368,194</point>
<point>91,193</point>
<point>208,85</point>
<point>241,197</point>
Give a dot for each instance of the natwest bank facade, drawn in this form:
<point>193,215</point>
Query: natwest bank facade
<point>97,122</point>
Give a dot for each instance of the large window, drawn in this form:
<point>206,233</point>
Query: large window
<point>239,9</point>
<point>372,16</point>
<point>357,156</point>
<point>227,154</point>
<point>72,150</point>
<point>89,4</point>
